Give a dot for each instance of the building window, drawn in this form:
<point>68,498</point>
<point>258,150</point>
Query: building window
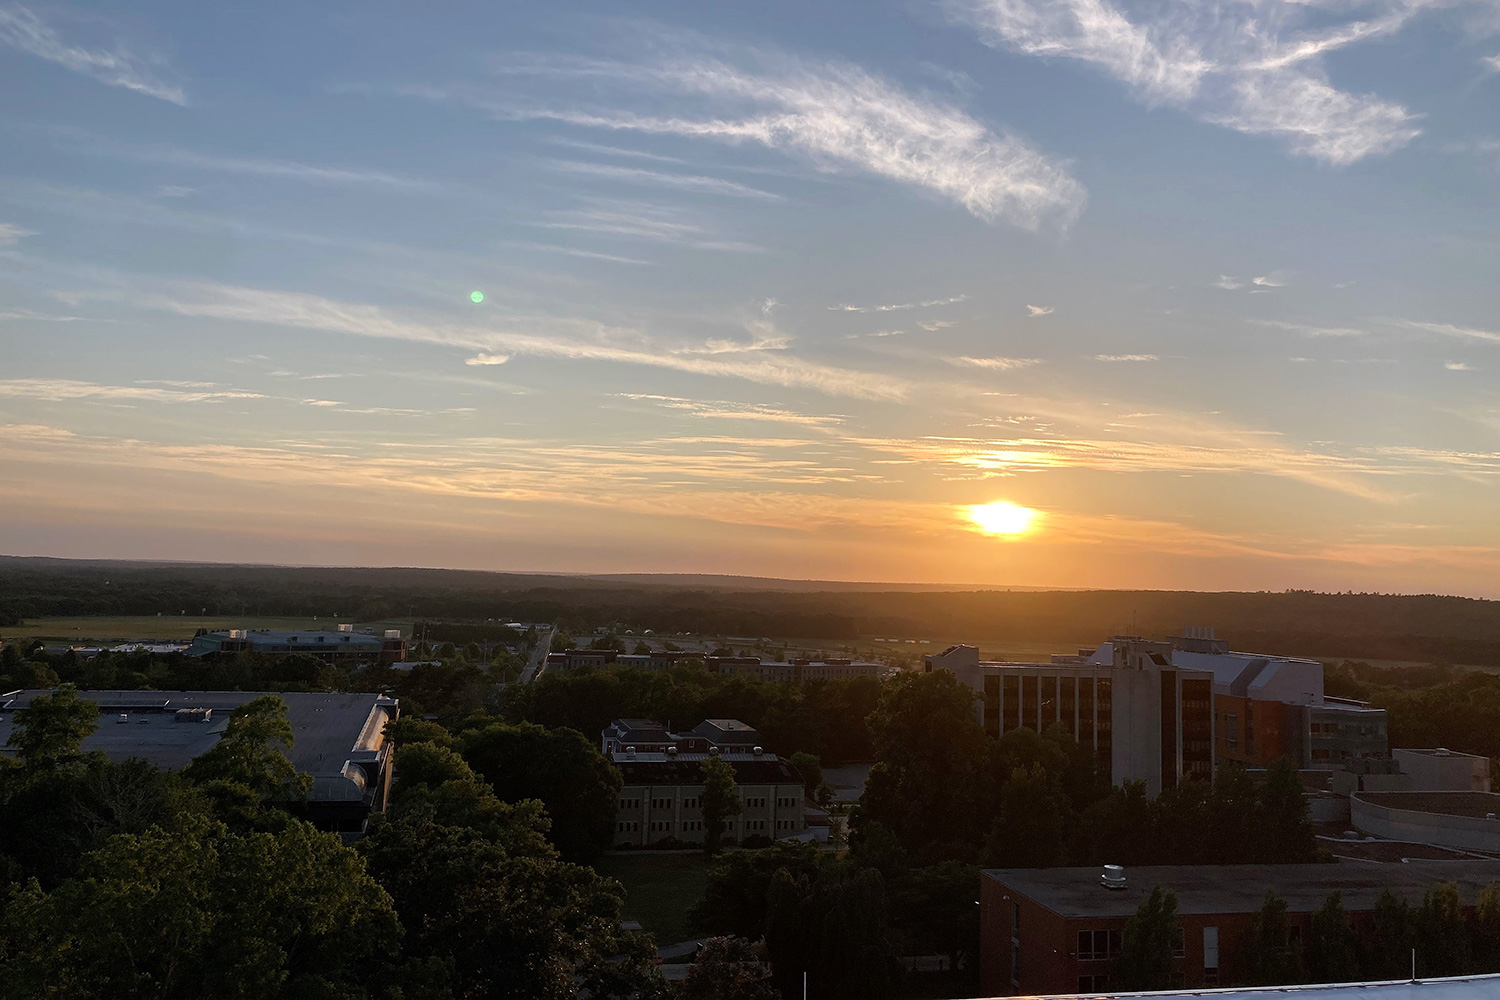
<point>1179,944</point>
<point>1093,984</point>
<point>1098,946</point>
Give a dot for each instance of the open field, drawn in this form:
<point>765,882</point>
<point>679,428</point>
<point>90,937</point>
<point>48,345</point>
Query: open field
<point>122,629</point>
<point>659,888</point>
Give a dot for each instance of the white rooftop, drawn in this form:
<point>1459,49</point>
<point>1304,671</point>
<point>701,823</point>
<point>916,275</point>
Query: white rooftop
<point>1456,988</point>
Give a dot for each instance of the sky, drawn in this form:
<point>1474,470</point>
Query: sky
<point>1210,288</point>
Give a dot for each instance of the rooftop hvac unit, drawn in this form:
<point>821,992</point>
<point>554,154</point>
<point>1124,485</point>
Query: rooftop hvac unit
<point>346,628</point>
<point>193,715</point>
<point>1113,877</point>
<point>236,633</point>
<point>393,633</point>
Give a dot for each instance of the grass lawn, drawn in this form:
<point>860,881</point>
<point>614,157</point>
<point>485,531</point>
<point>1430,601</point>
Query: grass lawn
<point>123,628</point>
<point>659,888</point>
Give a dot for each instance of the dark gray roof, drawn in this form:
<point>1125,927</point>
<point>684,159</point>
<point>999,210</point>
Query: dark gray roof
<point>329,729</point>
<point>1457,988</point>
<point>1075,893</point>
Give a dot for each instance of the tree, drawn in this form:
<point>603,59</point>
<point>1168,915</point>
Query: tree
<point>642,648</point>
<point>202,911</point>
<point>727,968</point>
<point>559,768</point>
<point>1268,956</point>
<point>252,754</point>
<point>721,801</point>
<point>1442,933</point>
<point>509,924</point>
<point>934,910</point>
<point>1392,936</point>
<point>932,783</point>
<point>809,768</point>
<point>831,926</point>
<point>1486,933</point>
<point>1145,961</point>
<point>1031,829</point>
<point>51,730</point>
<point>1286,833</point>
<point>1332,946</point>
<point>428,764</point>
<point>413,730</point>
<point>734,900</point>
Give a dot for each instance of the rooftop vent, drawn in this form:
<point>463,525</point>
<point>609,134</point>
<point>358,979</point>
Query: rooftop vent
<point>1489,815</point>
<point>1113,877</point>
<point>758,751</point>
<point>1351,834</point>
<point>630,751</point>
<point>714,751</point>
<point>671,751</point>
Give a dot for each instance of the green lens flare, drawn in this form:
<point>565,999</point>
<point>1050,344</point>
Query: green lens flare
<point>476,296</point>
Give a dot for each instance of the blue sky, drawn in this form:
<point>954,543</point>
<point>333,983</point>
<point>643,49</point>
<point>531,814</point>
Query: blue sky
<point>781,289</point>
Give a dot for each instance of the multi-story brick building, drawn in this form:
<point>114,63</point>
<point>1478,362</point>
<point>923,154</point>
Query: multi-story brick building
<point>1159,712</point>
<point>1060,930</point>
<point>662,797</point>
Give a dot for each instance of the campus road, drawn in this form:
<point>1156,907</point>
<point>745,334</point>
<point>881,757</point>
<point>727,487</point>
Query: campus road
<point>538,655</point>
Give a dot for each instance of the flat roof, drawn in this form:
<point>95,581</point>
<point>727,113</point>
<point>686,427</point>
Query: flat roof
<point>328,728</point>
<point>1438,752</point>
<point>1456,988</point>
<point>1075,893</point>
<point>1472,805</point>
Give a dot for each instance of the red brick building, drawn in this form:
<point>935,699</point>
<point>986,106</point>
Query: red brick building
<point>1058,930</point>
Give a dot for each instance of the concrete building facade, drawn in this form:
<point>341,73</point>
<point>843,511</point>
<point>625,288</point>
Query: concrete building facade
<point>1444,770</point>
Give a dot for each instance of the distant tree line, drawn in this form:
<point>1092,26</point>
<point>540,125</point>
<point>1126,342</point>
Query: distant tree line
<point>1376,626</point>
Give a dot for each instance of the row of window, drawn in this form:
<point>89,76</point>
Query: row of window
<point>694,826</point>
<point>696,802</point>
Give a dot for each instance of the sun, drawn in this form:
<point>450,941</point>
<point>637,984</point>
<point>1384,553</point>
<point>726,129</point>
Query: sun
<point>1002,518</point>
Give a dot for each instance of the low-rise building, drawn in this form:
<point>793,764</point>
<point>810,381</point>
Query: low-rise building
<point>1462,820</point>
<point>662,797</point>
<point>344,644</point>
<point>1059,930</point>
<point>796,671</point>
<point>1444,770</point>
<point>340,739</point>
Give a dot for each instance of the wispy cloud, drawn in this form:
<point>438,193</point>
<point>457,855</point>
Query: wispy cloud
<point>576,252</point>
<point>682,182</point>
<point>189,159</point>
<point>1450,330</point>
<point>21,28</point>
<point>1492,62</point>
<point>898,306</point>
<point>1251,68</point>
<point>1458,366</point>
<point>1035,311</point>
<point>720,410</point>
<point>11,234</point>
<point>60,390</point>
<point>1228,283</point>
<point>1273,280</point>
<point>1311,330</point>
<point>1125,357</point>
<point>996,364</point>
<point>758,361</point>
<point>643,221</point>
<point>837,117</point>
<point>487,359</point>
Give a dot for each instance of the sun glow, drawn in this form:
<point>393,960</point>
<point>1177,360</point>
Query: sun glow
<point>1002,518</point>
